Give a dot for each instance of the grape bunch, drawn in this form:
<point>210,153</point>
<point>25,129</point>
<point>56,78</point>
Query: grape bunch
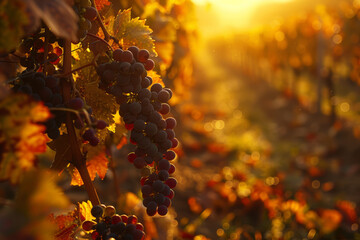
<point>87,14</point>
<point>142,109</point>
<point>33,50</point>
<point>109,225</point>
<point>47,89</point>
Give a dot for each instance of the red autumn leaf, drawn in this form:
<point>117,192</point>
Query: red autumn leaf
<point>100,4</point>
<point>97,165</point>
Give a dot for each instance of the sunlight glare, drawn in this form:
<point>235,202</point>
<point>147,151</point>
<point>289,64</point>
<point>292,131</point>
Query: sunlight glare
<point>216,15</point>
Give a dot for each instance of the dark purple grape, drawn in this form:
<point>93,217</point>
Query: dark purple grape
<point>101,124</point>
<point>146,190</point>
<point>165,108</point>
<point>90,13</point>
<point>117,54</point>
<point>94,141</point>
<point>159,198</point>
<point>139,162</point>
<point>171,182</point>
<point>163,96</point>
<point>97,211</point>
<point>127,56</point>
<point>149,64</point>
<point>164,164</point>
<point>139,125</point>
<point>143,55</point>
<point>76,103</point>
<point>46,94</point>
<point>156,87</point>
<point>163,175</point>
<point>134,50</point>
<point>88,134</point>
<point>171,169</point>
<point>158,186</point>
<point>151,208</point>
<point>162,210</point>
<point>170,123</point>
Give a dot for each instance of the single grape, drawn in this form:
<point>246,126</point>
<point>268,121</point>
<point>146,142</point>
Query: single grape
<point>101,124</point>
<point>146,190</point>
<point>171,169</point>
<point>170,123</point>
<point>158,185</point>
<point>156,87</point>
<point>151,208</point>
<point>88,225</point>
<point>127,56</point>
<point>164,164</point>
<point>139,162</point>
<point>165,108</point>
<point>170,155</point>
<point>76,103</point>
<point>134,50</point>
<point>90,13</point>
<point>143,55</point>
<point>163,96</point>
<point>88,134</point>
<point>117,54</point>
<point>97,211</point>
<point>131,157</point>
<point>149,64</point>
<point>171,182</point>
<point>162,210</point>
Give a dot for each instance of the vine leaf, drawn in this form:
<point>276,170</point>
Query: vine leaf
<point>100,4</point>
<point>22,137</point>
<point>104,105</point>
<point>63,154</point>
<point>97,165</point>
<point>57,15</point>
<point>155,77</point>
<point>84,211</point>
<point>68,223</point>
<point>132,31</point>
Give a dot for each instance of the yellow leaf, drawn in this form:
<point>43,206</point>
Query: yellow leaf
<point>84,210</point>
<point>132,31</point>
<point>155,77</point>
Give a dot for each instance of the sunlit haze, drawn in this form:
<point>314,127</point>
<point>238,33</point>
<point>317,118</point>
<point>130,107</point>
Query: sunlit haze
<point>215,15</point>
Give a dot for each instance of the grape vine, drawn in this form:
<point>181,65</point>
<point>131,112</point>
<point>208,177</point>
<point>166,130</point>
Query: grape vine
<point>47,77</point>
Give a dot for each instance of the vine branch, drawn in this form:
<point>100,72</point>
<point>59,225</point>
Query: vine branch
<point>78,158</point>
<point>102,26</point>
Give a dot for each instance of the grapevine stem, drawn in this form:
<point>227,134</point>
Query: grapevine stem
<point>99,38</point>
<point>102,26</point>
<point>78,159</point>
<point>46,49</point>
<point>75,70</point>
